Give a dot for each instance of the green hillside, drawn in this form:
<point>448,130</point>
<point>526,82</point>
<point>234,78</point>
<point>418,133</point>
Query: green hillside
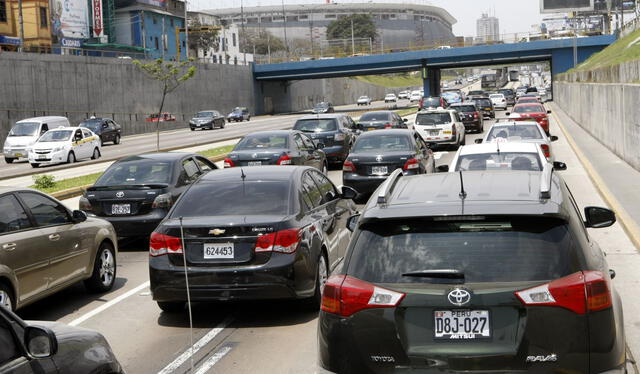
<point>625,49</point>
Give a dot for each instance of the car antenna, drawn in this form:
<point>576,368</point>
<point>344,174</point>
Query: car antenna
<point>498,147</point>
<point>463,193</point>
<point>242,174</point>
<point>186,279</point>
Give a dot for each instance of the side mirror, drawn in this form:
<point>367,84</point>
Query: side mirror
<point>431,145</point>
<point>557,165</point>
<point>352,222</point>
<point>553,138</point>
<point>104,125</point>
<point>443,168</point>
<point>348,193</point>
<point>507,114</point>
<point>79,216</point>
<point>478,141</point>
<point>40,342</point>
<point>612,273</point>
<point>598,217</point>
<point>405,120</point>
<point>320,146</point>
<point>548,112</point>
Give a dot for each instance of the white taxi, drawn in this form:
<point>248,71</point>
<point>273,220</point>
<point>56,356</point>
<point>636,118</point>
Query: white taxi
<point>65,145</point>
<point>440,126</point>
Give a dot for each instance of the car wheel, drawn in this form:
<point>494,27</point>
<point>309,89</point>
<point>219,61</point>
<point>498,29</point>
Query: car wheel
<point>116,140</point>
<point>96,154</point>
<point>322,273</point>
<point>9,160</point>
<point>104,270</point>
<point>171,306</point>
<point>6,297</point>
<point>222,125</point>
<point>34,165</point>
<point>192,129</point>
<point>101,142</point>
<point>71,158</point>
<point>248,118</point>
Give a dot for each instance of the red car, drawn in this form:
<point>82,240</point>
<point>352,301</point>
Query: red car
<point>531,111</point>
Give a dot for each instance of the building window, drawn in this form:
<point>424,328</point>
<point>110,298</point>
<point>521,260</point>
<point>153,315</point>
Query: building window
<point>3,11</point>
<point>265,19</point>
<point>44,23</point>
<point>233,38</point>
<point>157,43</point>
<point>329,16</point>
<point>235,61</point>
<point>171,22</point>
<point>303,17</point>
<point>155,20</point>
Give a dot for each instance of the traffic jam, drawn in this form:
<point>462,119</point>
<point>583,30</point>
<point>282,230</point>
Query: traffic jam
<point>408,264</point>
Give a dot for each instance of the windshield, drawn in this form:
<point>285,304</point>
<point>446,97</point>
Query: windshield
<point>262,142</point>
<point>316,125</point>
<point>93,125</point>
<point>482,102</point>
<point>431,102</point>
<point>496,96</point>
<point>234,198</point>
<point>382,143</point>
<point>433,119</point>
<point>204,114</point>
<point>464,108</point>
<point>136,172</point>
<point>363,98</point>
<point>528,109</point>
<point>56,136</point>
<point>375,116</point>
<point>322,105</point>
<point>496,249</point>
<point>25,129</point>
<point>515,132</point>
<point>499,161</point>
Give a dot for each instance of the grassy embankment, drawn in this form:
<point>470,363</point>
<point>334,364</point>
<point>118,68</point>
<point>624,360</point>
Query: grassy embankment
<point>623,50</point>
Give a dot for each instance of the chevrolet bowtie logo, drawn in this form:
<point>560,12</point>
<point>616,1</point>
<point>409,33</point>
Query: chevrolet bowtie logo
<point>217,231</point>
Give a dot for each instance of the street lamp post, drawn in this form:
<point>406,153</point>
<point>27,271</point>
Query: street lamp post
<point>21,22</point>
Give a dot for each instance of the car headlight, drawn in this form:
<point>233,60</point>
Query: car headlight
<point>56,149</point>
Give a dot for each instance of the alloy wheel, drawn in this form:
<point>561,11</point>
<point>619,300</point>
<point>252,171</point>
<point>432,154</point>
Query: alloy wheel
<point>107,267</point>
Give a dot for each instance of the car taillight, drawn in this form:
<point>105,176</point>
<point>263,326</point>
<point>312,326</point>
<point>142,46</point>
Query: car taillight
<point>580,293</point>
<point>348,166</point>
<point>228,163</point>
<point>162,201</point>
<point>411,164</point>
<point>475,114</point>
<point>387,125</point>
<point>339,137</point>
<point>161,244</point>
<point>344,295</point>
<point>284,160</point>
<point>453,129</point>
<point>545,150</point>
<point>283,241</point>
<point>84,204</point>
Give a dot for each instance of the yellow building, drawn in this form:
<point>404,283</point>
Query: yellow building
<point>36,20</point>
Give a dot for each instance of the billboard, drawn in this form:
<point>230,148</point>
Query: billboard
<point>564,6</point>
<point>69,19</point>
<point>97,18</point>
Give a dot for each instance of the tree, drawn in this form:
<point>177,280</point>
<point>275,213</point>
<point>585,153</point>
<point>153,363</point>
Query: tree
<point>263,40</point>
<point>363,27</point>
<point>170,75</point>
<point>204,40</point>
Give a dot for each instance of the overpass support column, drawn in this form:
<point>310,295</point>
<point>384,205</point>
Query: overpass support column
<point>430,81</point>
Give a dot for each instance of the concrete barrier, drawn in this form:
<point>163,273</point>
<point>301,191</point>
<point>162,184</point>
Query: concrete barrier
<point>626,72</point>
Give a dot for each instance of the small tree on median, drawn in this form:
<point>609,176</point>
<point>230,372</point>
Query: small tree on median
<point>170,75</point>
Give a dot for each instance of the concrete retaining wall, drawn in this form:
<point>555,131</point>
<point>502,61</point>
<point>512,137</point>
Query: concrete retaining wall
<point>626,72</point>
<point>609,112</point>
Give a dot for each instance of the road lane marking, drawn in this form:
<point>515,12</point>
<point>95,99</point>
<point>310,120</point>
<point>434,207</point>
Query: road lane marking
<point>207,365</point>
<point>196,347</point>
<point>108,304</point>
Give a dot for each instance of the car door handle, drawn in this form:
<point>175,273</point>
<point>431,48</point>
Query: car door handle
<point>54,237</point>
<point>9,246</point>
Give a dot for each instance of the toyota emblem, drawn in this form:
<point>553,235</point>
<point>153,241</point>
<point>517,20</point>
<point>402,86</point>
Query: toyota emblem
<point>379,158</point>
<point>459,297</point>
<point>120,194</point>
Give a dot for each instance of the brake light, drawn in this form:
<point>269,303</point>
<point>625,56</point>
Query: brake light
<point>228,163</point>
<point>284,160</point>
<point>580,293</point>
<point>348,166</point>
<point>387,125</point>
<point>162,201</point>
<point>161,244</point>
<point>344,295</point>
<point>283,241</point>
<point>475,114</point>
<point>545,150</point>
<point>453,129</point>
<point>411,164</point>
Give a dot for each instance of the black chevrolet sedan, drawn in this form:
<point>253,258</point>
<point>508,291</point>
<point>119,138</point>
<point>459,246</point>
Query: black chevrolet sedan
<point>207,119</point>
<point>135,193</point>
<point>105,128</point>
<point>383,119</point>
<point>251,233</point>
<point>377,154</point>
<point>280,147</point>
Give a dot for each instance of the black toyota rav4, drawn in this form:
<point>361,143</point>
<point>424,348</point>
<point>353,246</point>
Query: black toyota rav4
<point>479,272</point>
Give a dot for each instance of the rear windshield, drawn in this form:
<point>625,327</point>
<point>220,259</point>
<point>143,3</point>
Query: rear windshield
<point>375,116</point>
<point>498,249</point>
<point>433,119</point>
<point>431,102</point>
<point>496,96</point>
<point>482,102</point>
<point>56,136</point>
<point>234,198</point>
<point>25,129</point>
<point>322,105</point>
<point>528,109</point>
<point>136,172</point>
<point>316,125</point>
<point>464,108</point>
<point>515,132</point>
<point>499,161</point>
<point>382,143</point>
<point>263,142</point>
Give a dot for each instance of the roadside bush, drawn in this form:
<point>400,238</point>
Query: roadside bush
<point>44,181</point>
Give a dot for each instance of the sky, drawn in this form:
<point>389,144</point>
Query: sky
<point>516,16</point>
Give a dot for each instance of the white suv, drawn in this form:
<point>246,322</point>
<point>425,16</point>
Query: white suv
<point>440,126</point>
<point>499,101</point>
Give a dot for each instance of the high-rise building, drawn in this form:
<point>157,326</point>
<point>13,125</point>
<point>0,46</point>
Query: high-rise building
<point>488,28</point>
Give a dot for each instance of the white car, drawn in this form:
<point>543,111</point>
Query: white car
<point>415,96</point>
<point>499,156</point>
<point>499,101</point>
<point>520,131</point>
<point>25,133</point>
<point>542,91</point>
<point>404,94</point>
<point>440,126</point>
<point>65,145</point>
<point>364,100</point>
<point>470,79</point>
<point>445,85</point>
<point>390,98</point>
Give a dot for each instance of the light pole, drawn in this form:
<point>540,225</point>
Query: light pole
<point>241,41</point>
<point>186,32</point>
<point>21,22</point>
<point>353,42</point>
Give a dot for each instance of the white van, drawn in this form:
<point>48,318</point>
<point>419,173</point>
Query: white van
<point>26,132</point>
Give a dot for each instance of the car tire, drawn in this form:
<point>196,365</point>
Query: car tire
<point>192,129</point>
<point>7,299</point>
<point>71,158</point>
<point>222,125</point>
<point>322,274</point>
<point>171,306</point>
<point>96,154</point>
<point>35,165</point>
<point>116,140</point>
<point>104,270</point>
<point>248,118</point>
<point>9,160</point>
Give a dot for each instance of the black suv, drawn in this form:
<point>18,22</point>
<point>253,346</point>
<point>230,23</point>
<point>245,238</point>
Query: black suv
<point>470,116</point>
<point>105,128</point>
<point>336,131</point>
<point>474,272</point>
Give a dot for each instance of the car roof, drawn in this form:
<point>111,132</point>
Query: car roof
<point>6,189</point>
<point>208,110</point>
<point>379,112</point>
<point>529,104</point>
<point>511,147</point>
<point>159,156</point>
<point>435,110</point>
<point>254,174</point>
<point>272,132</point>
<point>462,104</point>
<point>63,128</point>
<point>43,119</point>
<point>324,115</point>
<point>392,131</point>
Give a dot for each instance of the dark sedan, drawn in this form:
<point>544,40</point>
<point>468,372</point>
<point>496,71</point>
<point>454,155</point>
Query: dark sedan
<point>135,193</point>
<point>52,347</point>
<point>239,114</point>
<point>105,128</point>
<point>383,119</point>
<point>433,102</point>
<point>470,116</point>
<point>509,94</point>
<point>279,147</point>
<point>251,233</point>
<point>323,107</point>
<point>377,154</point>
<point>335,131</point>
<point>485,106</point>
<point>207,119</point>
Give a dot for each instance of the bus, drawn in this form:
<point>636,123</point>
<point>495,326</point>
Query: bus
<point>498,78</point>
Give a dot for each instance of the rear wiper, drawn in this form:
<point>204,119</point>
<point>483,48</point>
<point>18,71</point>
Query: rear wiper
<point>438,275</point>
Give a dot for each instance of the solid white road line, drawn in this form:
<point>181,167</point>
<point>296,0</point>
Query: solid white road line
<point>196,347</point>
<point>108,304</point>
<point>213,360</point>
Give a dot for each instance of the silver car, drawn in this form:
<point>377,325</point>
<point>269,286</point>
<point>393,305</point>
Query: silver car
<point>520,131</point>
